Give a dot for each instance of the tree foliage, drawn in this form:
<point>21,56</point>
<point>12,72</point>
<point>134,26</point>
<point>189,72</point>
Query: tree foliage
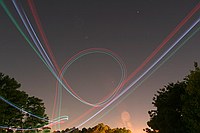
<point>100,128</point>
<point>12,117</point>
<point>177,106</point>
<point>191,101</point>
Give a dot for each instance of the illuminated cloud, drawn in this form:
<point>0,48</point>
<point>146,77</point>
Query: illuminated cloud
<point>126,120</point>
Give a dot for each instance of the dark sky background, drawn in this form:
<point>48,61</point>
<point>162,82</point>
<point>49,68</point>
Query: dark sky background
<point>130,28</point>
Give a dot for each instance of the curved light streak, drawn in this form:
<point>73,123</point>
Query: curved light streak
<point>91,51</point>
<point>34,37</point>
<point>25,20</point>
<point>143,74</point>
<point>41,32</point>
<point>26,112</point>
<point>155,52</point>
<point>137,70</point>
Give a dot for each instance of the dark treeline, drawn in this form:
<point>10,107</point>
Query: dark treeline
<point>100,128</point>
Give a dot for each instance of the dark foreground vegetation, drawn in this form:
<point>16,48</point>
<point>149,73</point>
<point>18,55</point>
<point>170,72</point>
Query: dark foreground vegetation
<point>177,106</point>
<point>100,128</point>
<point>14,116</point>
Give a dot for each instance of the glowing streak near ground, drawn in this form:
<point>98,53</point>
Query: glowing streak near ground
<point>56,123</point>
<point>11,104</point>
<point>26,112</point>
<point>107,102</point>
<point>20,129</point>
<point>143,74</point>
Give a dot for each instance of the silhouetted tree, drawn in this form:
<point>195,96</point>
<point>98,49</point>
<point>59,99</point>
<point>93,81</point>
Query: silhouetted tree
<point>177,107</point>
<point>191,101</point>
<point>12,117</point>
<point>9,115</point>
<point>84,130</point>
<point>35,106</point>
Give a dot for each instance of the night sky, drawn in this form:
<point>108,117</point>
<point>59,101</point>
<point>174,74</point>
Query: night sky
<point>132,29</point>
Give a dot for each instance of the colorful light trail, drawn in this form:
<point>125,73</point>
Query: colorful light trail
<point>49,60</point>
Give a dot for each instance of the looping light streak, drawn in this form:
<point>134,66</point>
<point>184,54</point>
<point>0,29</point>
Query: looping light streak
<point>194,10</point>
<point>58,74</point>
<point>92,51</point>
<point>81,54</point>
<point>31,32</point>
<point>49,64</point>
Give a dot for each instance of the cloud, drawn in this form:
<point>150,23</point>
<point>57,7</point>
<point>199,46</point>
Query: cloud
<point>126,120</point>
